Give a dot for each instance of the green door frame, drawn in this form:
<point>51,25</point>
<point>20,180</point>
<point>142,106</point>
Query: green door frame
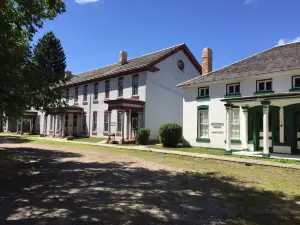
<point>253,114</point>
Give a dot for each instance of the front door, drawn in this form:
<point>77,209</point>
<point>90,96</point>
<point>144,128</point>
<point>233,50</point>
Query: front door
<point>66,125</point>
<point>297,129</point>
<point>134,124</point>
<point>75,125</point>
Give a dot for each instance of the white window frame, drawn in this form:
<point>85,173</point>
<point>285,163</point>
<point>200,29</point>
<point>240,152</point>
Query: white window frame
<point>96,91</point>
<point>107,88</point>
<point>76,95</point>
<point>235,124</point>
<point>294,79</point>
<point>203,92</point>
<point>120,86</point>
<point>67,95</point>
<point>234,88</point>
<point>135,85</point>
<point>119,121</point>
<point>106,121</point>
<point>265,85</point>
<point>94,128</point>
<point>85,93</point>
<point>203,126</point>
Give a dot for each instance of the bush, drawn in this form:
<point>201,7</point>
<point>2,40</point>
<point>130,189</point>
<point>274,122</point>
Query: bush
<point>170,134</point>
<point>142,136</point>
<point>70,138</point>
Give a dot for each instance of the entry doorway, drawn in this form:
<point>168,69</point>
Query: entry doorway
<point>75,119</point>
<point>134,124</point>
<point>297,129</point>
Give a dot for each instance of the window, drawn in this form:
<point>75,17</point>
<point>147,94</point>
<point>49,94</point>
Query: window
<point>264,85</point>
<point>94,121</point>
<point>51,122</point>
<point>233,88</point>
<point>203,92</point>
<point>296,82</point>
<point>107,88</point>
<point>120,86</point>
<point>85,93</point>
<point>76,94</point>
<point>119,122</point>
<point>203,123</point>
<point>95,91</point>
<point>67,95</point>
<point>106,121</point>
<point>235,123</point>
<point>135,85</point>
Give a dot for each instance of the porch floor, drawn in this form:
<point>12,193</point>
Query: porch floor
<point>273,155</point>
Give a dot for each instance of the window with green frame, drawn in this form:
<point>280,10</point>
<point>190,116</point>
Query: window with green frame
<point>203,123</point>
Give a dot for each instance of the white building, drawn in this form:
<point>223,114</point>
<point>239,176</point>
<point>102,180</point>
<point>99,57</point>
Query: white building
<point>122,97</point>
<point>253,104</point>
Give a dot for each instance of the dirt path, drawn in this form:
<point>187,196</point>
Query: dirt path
<point>61,184</point>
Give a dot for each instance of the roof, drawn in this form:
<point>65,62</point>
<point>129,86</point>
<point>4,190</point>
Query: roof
<point>277,59</point>
<point>134,65</point>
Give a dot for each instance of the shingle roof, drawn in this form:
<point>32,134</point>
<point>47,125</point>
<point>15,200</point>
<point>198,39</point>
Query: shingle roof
<point>137,64</point>
<point>277,59</point>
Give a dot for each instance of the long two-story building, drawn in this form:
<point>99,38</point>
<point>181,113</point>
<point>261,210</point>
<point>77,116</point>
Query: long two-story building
<point>251,105</point>
<point>121,98</point>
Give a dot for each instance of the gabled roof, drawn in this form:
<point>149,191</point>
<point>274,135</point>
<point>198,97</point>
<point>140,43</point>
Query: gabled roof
<point>277,59</point>
<point>139,64</point>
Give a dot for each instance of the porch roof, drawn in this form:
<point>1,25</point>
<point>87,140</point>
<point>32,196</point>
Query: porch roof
<point>259,98</point>
<point>124,104</point>
<point>67,109</point>
<point>30,113</point>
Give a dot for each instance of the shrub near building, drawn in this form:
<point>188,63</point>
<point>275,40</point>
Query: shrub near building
<point>170,134</point>
<point>142,136</point>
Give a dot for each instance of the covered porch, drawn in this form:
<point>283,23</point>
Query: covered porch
<point>29,123</point>
<point>65,121</point>
<point>130,118</point>
<point>270,123</point>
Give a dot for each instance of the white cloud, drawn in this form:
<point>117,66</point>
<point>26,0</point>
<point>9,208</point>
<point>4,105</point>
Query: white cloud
<point>247,2</point>
<point>283,41</point>
<point>85,1</point>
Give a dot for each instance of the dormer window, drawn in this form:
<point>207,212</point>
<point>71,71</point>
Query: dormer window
<point>233,89</point>
<point>203,92</point>
<point>296,82</point>
<point>264,85</point>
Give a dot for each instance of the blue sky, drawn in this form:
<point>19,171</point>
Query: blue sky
<point>93,32</point>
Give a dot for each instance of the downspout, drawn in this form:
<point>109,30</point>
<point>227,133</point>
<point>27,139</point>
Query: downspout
<point>90,108</point>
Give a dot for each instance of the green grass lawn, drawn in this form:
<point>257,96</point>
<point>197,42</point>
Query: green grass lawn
<point>89,139</point>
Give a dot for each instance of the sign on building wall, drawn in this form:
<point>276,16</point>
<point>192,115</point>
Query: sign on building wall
<point>217,127</point>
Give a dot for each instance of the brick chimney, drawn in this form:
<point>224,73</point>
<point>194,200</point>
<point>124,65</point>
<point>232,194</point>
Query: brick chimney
<point>207,57</point>
<point>123,57</point>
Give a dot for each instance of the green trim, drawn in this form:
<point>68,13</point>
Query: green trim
<point>227,152</point>
<point>266,155</point>
<point>236,141</point>
<point>232,95</point>
<point>203,140</point>
<point>203,107</point>
<point>294,90</point>
<point>263,92</point>
<point>203,98</point>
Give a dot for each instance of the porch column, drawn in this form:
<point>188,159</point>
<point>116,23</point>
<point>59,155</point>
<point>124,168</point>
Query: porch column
<point>228,129</point>
<point>281,125</point>
<point>21,125</point>
<point>245,131</point>
<point>45,124</point>
<point>63,119</point>
<point>266,151</point>
<point>123,125</point>
<point>18,123</point>
<point>129,124</point>
<point>54,127</point>
<point>81,123</point>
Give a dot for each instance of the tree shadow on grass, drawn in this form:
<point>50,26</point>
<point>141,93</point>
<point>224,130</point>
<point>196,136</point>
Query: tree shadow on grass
<point>6,139</point>
<point>53,190</point>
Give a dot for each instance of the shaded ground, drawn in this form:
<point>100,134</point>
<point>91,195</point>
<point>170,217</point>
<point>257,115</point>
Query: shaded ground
<point>64,185</point>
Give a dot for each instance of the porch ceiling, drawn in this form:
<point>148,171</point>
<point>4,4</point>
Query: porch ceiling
<point>67,109</point>
<point>278,99</point>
